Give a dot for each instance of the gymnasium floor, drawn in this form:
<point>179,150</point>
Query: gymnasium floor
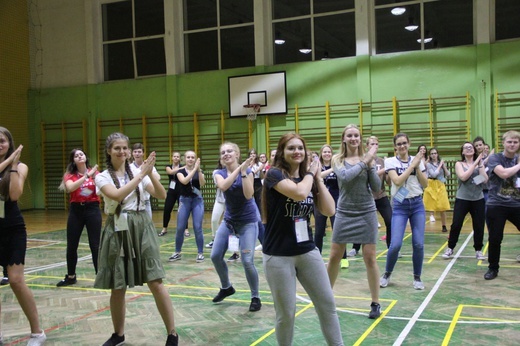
<point>458,307</point>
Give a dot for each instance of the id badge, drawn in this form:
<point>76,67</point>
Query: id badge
<point>234,243</point>
<point>2,209</point>
<point>478,180</point>
<point>86,192</point>
<point>517,183</point>
<point>301,229</point>
<point>121,222</point>
<point>172,185</point>
<point>401,194</point>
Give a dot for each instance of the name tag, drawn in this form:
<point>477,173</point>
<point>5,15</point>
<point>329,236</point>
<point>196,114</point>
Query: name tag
<point>301,229</point>
<point>478,180</point>
<point>401,194</point>
<point>86,192</point>
<point>172,185</point>
<point>121,222</point>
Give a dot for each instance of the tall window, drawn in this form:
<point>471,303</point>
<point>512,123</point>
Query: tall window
<point>133,39</point>
<point>422,24</point>
<point>218,34</point>
<point>307,30</point>
<point>507,14</point>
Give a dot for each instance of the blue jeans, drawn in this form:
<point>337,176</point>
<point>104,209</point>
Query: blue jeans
<point>195,206</point>
<point>410,209</point>
<point>247,233</point>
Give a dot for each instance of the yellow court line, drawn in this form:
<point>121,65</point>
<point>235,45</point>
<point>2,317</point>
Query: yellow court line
<point>438,252</point>
<point>458,315</point>
<point>269,333</point>
<point>386,250</point>
<point>374,324</point>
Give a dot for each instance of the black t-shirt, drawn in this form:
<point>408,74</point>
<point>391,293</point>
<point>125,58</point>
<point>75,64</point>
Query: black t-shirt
<point>189,190</point>
<point>173,177</point>
<point>282,211</point>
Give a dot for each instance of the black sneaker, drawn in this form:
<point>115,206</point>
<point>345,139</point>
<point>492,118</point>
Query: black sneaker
<point>235,256</point>
<point>375,311</point>
<point>115,340</point>
<point>173,340</point>
<point>256,304</point>
<point>223,293</point>
<point>491,274</point>
<point>67,281</point>
<point>5,281</point>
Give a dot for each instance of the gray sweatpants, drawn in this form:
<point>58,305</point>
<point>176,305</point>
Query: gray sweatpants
<point>281,273</point>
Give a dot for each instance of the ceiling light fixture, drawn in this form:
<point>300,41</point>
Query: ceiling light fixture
<point>411,25</point>
<point>278,39</point>
<point>427,38</point>
<point>305,48</point>
<point>399,10</point>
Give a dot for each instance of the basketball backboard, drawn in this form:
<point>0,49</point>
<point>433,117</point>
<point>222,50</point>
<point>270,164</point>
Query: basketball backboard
<point>269,90</point>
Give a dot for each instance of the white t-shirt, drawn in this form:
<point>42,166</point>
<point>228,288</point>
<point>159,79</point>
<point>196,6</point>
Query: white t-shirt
<point>130,201</point>
<point>412,184</point>
<point>145,196</point>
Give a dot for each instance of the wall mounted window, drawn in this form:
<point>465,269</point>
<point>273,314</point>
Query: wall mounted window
<point>218,34</point>
<point>306,30</point>
<point>422,24</point>
<point>133,39</point>
<point>507,13</point>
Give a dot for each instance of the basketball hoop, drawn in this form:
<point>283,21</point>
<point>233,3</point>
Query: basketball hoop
<point>252,111</point>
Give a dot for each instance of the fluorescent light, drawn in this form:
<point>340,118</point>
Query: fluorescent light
<point>426,40</point>
<point>305,50</point>
<point>411,27</point>
<point>397,11</point>
<point>279,41</point>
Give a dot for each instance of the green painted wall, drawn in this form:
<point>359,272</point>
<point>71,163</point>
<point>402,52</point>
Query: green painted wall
<point>479,70</point>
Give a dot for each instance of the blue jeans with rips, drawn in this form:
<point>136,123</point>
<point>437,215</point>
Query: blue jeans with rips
<point>195,207</point>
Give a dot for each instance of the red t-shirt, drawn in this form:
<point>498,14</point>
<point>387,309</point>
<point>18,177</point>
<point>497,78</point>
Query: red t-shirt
<point>86,192</point>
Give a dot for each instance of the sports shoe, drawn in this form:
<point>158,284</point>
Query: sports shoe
<point>479,255</point>
<point>210,244</point>
<point>432,218</point>
<point>175,257</point>
<point>37,339</point>
<point>255,305</point>
<point>399,255</point>
<point>234,257</point>
<point>115,340</point>
<point>491,274</point>
<point>375,311</point>
<point>378,225</point>
<point>223,293</point>
<point>259,247</point>
<point>173,340</point>
<point>444,229</point>
<point>418,284</point>
<point>383,237</point>
<point>67,281</point>
<point>200,258</point>
<point>447,253</point>
<point>344,263</point>
<point>518,258</point>
<point>384,280</point>
<point>352,253</point>
<point>5,281</point>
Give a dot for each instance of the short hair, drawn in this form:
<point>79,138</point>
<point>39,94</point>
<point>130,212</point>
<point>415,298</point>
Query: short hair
<point>511,134</point>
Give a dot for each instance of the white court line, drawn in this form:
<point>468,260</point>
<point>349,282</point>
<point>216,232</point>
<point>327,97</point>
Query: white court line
<point>434,290</point>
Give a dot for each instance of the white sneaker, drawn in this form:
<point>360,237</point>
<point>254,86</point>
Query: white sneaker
<point>399,255</point>
<point>448,253</point>
<point>259,248</point>
<point>37,339</point>
<point>479,255</point>
<point>432,218</point>
<point>378,225</point>
<point>418,285</point>
<point>352,253</point>
<point>384,280</point>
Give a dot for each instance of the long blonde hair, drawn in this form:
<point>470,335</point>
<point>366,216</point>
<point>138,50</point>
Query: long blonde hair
<point>337,160</point>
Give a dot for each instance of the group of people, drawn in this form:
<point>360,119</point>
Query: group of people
<point>272,201</point>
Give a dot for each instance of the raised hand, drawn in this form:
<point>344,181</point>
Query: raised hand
<point>148,164</point>
<point>15,156</point>
<point>417,160</point>
<point>93,171</point>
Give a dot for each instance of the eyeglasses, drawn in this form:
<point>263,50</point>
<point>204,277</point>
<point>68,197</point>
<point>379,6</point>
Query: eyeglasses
<point>467,147</point>
<point>401,144</point>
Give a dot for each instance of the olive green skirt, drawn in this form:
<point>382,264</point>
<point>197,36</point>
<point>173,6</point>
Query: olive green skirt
<point>129,258</point>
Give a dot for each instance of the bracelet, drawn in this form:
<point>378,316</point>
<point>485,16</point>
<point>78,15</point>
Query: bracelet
<point>310,173</point>
<point>243,175</point>
<point>13,171</point>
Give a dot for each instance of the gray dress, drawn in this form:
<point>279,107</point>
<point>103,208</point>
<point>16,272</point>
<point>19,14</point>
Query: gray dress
<point>356,218</point>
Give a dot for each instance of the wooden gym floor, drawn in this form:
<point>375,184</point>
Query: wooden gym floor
<point>458,307</point>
